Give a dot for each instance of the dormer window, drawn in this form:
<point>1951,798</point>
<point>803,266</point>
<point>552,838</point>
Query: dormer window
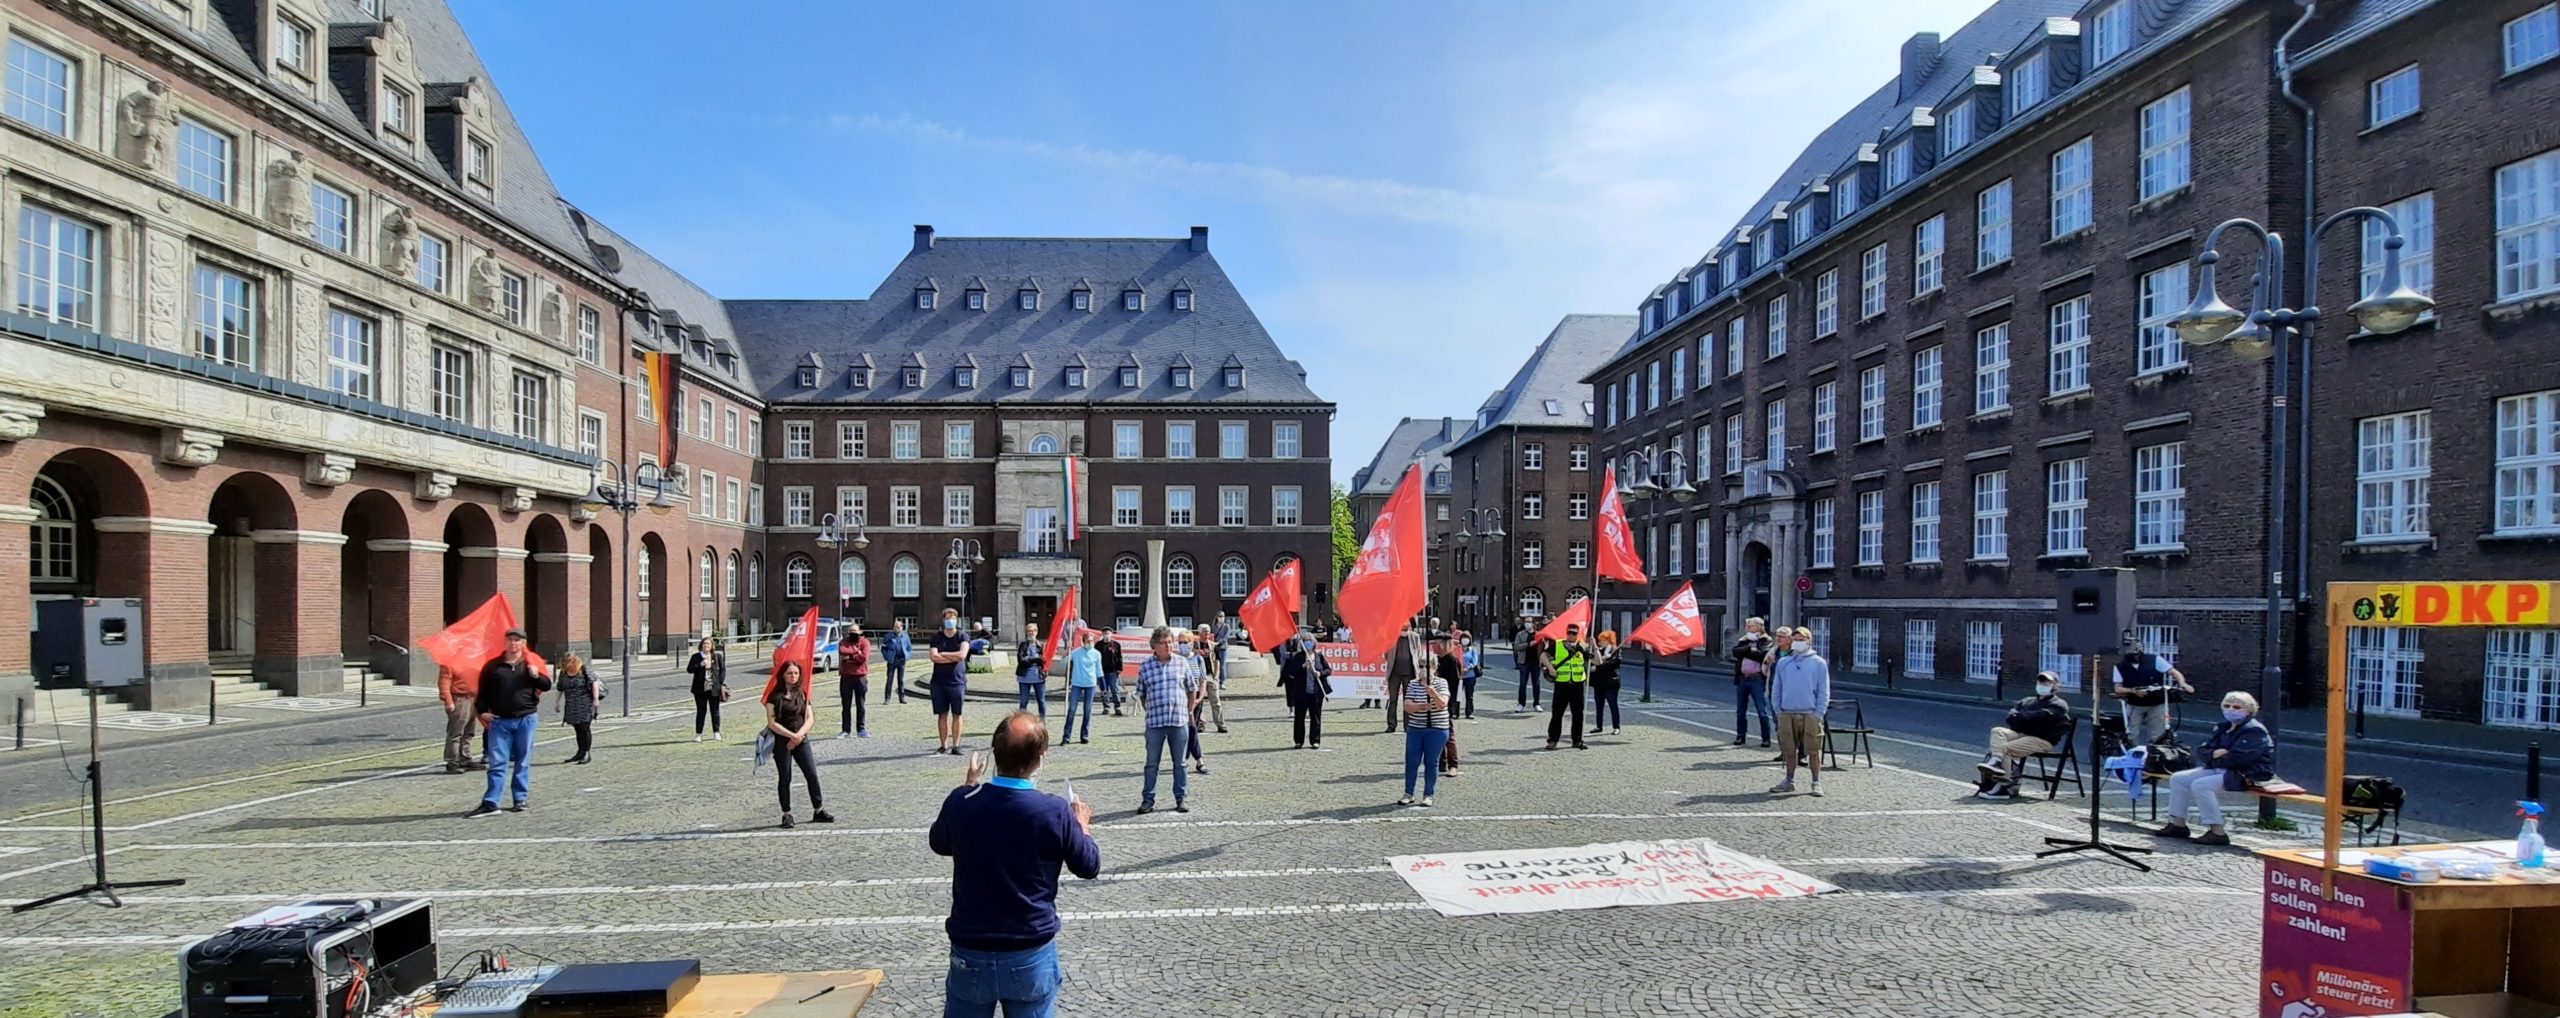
<point>293,46</point>
<point>977,300</point>
<point>1800,224</point>
<point>1075,377</point>
<point>1761,243</point>
<point>859,378</point>
<point>965,377</point>
<point>1129,378</point>
<point>808,377</point>
<point>1133,300</point>
<point>1955,127</point>
<point>1181,378</point>
<point>924,300</point>
<point>1081,300</point>
<point>475,163</point>
<point>1897,164</point>
<point>913,378</point>
<point>1031,300</point>
<point>1234,377</point>
<point>2110,32</point>
<point>2026,84</point>
<point>1844,195</point>
<point>1020,378</point>
<point>1182,300</point>
<point>395,110</point>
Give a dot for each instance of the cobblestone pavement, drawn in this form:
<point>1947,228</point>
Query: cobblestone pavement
<point>1271,897</point>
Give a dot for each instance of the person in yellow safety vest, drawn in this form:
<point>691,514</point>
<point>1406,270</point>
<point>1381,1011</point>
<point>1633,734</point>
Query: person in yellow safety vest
<point>1570,665</point>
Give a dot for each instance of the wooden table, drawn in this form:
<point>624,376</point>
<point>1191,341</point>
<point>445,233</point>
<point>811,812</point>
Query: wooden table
<point>775,995</point>
<point>2378,946</point>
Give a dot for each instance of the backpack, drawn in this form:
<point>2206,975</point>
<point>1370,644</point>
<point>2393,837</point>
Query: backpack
<point>2372,791</point>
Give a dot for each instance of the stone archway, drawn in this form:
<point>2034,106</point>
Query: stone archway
<point>604,595</point>
<point>265,575</point>
<point>72,515</point>
<point>652,590</point>
<point>373,582</point>
<point>545,611</point>
<point>470,560</point>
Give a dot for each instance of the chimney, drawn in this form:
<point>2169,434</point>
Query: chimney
<point>924,238</point>
<point>1199,238</point>
<point>1919,57</point>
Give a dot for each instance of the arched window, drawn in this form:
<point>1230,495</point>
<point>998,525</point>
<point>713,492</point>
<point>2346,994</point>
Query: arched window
<point>53,541</point>
<point>906,578</point>
<point>1283,561</point>
<point>729,578</point>
<point>703,577</point>
<point>648,564</point>
<point>1128,579</point>
<point>1533,602</point>
<point>795,576</point>
<point>1180,579</point>
<point>1044,442</point>
<point>854,577</point>
<point>1574,594</point>
<point>755,576</point>
<point>955,580</point>
<point>1231,577</point>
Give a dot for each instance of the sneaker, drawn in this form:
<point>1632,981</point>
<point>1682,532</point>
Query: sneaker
<point>1764,744</point>
<point>455,768</point>
<point>844,735</point>
<point>1178,807</point>
<point>786,822</point>
<point>520,806</point>
<point>716,737</point>
<point>864,734</point>
<point>1450,773</point>
<point>1145,808</point>
<point>1737,740</point>
<point>937,751</point>
<point>1617,731</point>
<point>1991,771</point>
<point>2213,838</point>
<point>1817,788</point>
<point>484,809</point>
<point>1405,801</point>
<point>1222,729</point>
<point>1317,748</point>
<point>1551,747</point>
<point>1580,746</point>
<point>1996,793</point>
<point>1199,768</point>
<point>822,817</point>
<point>1084,741</point>
<point>697,736</point>
<point>1426,802</point>
<point>1783,787</point>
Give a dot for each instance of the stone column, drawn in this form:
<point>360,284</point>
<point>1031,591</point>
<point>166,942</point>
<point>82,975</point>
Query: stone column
<point>17,613</point>
<point>422,563</point>
<point>296,651</point>
<point>162,561</point>
<point>560,579</point>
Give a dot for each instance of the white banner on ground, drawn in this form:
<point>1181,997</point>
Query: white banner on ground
<point>1669,872</point>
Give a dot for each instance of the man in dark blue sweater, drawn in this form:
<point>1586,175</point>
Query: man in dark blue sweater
<point>1006,842</point>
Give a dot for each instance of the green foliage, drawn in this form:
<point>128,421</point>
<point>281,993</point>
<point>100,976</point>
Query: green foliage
<point>1346,543</point>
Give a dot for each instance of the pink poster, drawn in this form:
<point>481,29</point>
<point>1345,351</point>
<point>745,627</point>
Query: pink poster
<point>2346,955</point>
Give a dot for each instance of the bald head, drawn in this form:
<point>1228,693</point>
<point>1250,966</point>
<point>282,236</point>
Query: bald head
<point>1019,741</point>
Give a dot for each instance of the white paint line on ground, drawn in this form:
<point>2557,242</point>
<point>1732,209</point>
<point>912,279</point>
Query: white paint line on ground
<point>77,860</point>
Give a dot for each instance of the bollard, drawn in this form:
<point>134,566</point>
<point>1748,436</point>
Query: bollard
<point>20,717</point>
<point>2360,699</point>
<point>211,687</point>
<point>2533,772</point>
<point>2000,682</point>
<point>364,688</point>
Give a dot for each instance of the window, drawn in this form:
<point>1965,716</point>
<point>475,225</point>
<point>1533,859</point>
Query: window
<point>1128,378</point>
<point>702,421</point>
<point>955,580</point>
<point>1991,369</point>
<point>2049,656</point>
<point>1871,528</point>
<point>2529,227</point>
<point>1928,387</point>
<point>1180,580</point>
<point>798,437</point>
<point>2164,161</point>
<point>1533,506</point>
<point>1182,300</point>
<point>1920,648</point>
<point>2533,38</point>
<point>1826,417</point>
<point>475,163</point>
<point>1577,505</point>
<point>964,377</point>
<point>2160,497</point>
<point>1233,440</point>
<point>2067,368</point>
<point>1991,226</point>
<point>511,297</point>
<point>1925,505</point>
<point>1653,386</point>
<point>1871,404</point>
<point>1286,442</point>
<point>2110,32</point>
<point>645,566</point>
<point>1826,304</point>
<point>1871,269</point>
<point>912,378</point>
<point>1081,300</point>
<point>729,428</point>
<point>755,436</point>
<point>590,335</point>
<point>2066,507</point>
<point>1897,164</point>
<point>853,503</point>
<point>2072,203</point>
<point>1232,505</point>
<point>729,491</point>
<point>351,349</point>
<point>2026,84</point>
<point>2391,476</point>
<point>1674,565</point>
<point>226,316</point>
<point>1679,380</point>
<point>1075,376</point>
<point>1612,404</point>
<point>1821,627</point>
<point>1125,507</point>
<point>2157,347</point>
<point>959,440</point>
<point>2417,216</point>
<point>798,505</point>
<point>1928,255</point>
<point>1955,128</point>
<point>1774,432</point>
<point>1533,456</point>
<point>755,518</point>
<point>1736,335</point>
<point>1982,652</point>
<point>1178,508</point>
<point>1863,644</point>
<point>707,502</point>
<point>1844,196</point>
<point>977,299</point>
<point>53,539</point>
<point>1777,325</point>
<point>1991,516</point>
<point>1733,443</point>
<point>1128,578</point>
<point>1127,439</point>
<point>1232,577</point>
<point>2528,450</point>
<point>1533,554</point>
<point>1018,377</point>
<point>906,505</point>
<point>959,506</point>
<point>1132,300</point>
<point>591,433</point>
<point>204,160</point>
<point>1825,533</point>
<point>1178,442</point>
<point>449,383</point>
<point>853,578</point>
<point>906,441</point>
<point>906,577</point>
<point>395,111</point>
<point>2521,677</point>
<point>796,572</point>
<point>853,440</point>
<point>2382,670</point>
<point>42,86</point>
<point>1285,506</point>
<point>2391,96</point>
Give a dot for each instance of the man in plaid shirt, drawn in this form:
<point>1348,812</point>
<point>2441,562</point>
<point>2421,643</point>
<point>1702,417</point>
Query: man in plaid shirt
<point>1169,692</point>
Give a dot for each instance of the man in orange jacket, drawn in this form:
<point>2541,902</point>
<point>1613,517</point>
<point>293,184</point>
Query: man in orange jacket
<point>461,718</point>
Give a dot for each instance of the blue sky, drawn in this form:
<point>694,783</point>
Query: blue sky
<point>1410,194</point>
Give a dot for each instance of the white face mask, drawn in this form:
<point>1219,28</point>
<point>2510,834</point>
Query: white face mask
<point>2044,689</point>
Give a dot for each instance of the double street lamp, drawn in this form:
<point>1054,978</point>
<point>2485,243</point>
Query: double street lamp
<point>626,492</point>
<point>1492,534</point>
<point>832,534</point>
<point>1643,475</point>
<point>965,555</point>
<point>2270,329</point>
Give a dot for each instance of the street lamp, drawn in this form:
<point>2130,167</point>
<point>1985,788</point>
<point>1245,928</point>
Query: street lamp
<point>1644,476</point>
<point>965,552</point>
<point>2270,329</point>
<point>832,535</point>
<point>1493,533</point>
<point>622,491</point>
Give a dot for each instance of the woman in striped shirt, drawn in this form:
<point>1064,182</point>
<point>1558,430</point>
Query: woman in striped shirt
<point>1426,727</point>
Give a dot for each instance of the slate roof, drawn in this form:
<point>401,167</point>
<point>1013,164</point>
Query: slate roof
<point>1414,438</point>
<point>686,312</point>
<point>1554,371</point>
<point>2360,19</point>
<point>779,334</point>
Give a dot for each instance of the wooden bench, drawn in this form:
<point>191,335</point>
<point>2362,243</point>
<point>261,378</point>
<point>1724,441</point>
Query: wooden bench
<point>2366,821</point>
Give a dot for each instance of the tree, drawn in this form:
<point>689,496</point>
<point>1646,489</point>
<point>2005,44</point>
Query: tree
<point>1346,543</point>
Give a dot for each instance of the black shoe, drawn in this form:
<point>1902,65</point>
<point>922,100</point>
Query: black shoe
<point>455,768</point>
<point>1084,741</point>
<point>584,759</point>
<point>2177,830</point>
<point>1764,744</point>
<point>1580,746</point>
<point>1222,729</point>
<point>787,823</point>
<point>822,817</point>
<point>1178,807</point>
<point>1551,747</point>
<point>1145,808</point>
<point>2213,838</point>
<point>484,809</point>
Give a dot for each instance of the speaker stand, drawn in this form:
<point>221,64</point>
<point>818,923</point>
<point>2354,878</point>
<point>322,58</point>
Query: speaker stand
<point>2097,794</point>
<point>100,886</point>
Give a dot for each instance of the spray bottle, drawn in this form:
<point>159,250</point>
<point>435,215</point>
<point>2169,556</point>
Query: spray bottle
<point>2529,840</point>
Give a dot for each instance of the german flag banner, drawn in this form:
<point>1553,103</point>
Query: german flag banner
<point>658,371</point>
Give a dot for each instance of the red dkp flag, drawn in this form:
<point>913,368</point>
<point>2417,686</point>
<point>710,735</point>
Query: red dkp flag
<point>802,647</point>
<point>1576,614</point>
<point>477,639</point>
<point>1069,617</point>
<point>1287,583</point>
<point>1387,586</point>
<point>1614,544</point>
<point>1266,613</point>
<point>1675,627</point>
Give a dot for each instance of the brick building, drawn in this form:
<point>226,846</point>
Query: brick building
<point>1422,440</point>
<point>1526,465</point>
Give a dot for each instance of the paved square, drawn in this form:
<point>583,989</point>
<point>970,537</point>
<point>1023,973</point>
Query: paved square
<point>305,704</point>
<point>1272,897</point>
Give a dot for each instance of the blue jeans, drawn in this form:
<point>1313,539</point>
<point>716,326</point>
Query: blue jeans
<point>1079,698</point>
<point>1111,691</point>
<point>1422,751</point>
<point>510,758</point>
<point>1158,741</point>
<point>1025,982</point>
<point>1031,693</point>
<point>1750,696</point>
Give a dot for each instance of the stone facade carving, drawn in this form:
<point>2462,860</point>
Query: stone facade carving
<point>188,447</point>
<point>145,121</point>
<point>484,282</point>
<point>310,315</point>
<point>289,194</point>
<point>328,469</point>
<point>516,500</point>
<point>163,258</point>
<point>400,243</point>
<point>435,487</point>
<point>554,310</point>
<point>18,419</point>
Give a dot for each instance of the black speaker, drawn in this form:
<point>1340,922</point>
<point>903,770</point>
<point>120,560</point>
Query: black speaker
<point>2092,611</point>
<point>88,642</point>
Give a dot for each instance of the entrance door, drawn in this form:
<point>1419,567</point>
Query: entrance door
<point>233,594</point>
<point>1758,557</point>
<point>1040,611</point>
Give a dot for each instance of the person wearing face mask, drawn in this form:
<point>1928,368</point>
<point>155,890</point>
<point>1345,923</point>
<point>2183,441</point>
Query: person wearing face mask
<point>1800,687</point>
<point>1752,654</point>
<point>2238,755</point>
<point>949,652</point>
<point>2146,683</point>
<point>2035,725</point>
<point>1306,679</point>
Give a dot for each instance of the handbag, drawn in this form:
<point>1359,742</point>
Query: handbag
<point>2372,791</point>
<point>2168,758</point>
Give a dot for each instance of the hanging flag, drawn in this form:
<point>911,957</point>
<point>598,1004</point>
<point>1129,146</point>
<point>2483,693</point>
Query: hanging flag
<point>1074,498</point>
<point>1387,584</point>
<point>1266,613</point>
<point>1068,617</point>
<point>1576,614</point>
<point>1288,584</point>
<point>1675,627</point>
<point>658,371</point>
<point>800,646</point>
<point>1614,546</point>
<point>476,639</point>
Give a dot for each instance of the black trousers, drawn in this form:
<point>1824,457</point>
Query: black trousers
<point>854,693</point>
<point>1568,696</point>
<point>1468,682</point>
<point>706,705</point>
<point>897,682</point>
<point>1306,724</point>
<point>1604,708</point>
<point>808,769</point>
<point>586,736</point>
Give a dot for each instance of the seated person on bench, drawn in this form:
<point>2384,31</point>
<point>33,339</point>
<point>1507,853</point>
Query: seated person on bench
<point>2035,724</point>
<point>2240,755</point>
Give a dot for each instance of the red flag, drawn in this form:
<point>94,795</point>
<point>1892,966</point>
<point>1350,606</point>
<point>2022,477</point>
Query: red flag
<point>658,371</point>
<point>1387,586</point>
<point>800,646</point>
<point>1576,614</point>
<point>1674,627</point>
<point>1286,584</point>
<point>1614,546</point>
<point>1266,613</point>
<point>477,639</point>
<point>1068,617</point>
